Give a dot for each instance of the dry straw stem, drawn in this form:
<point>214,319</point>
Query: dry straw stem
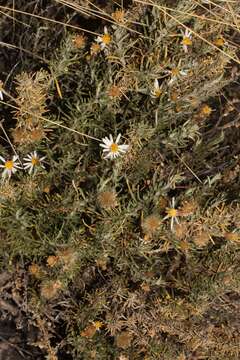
<point>11,46</point>
<point>9,141</point>
<point>15,20</point>
<point>52,122</point>
<point>98,13</point>
<point>164,10</point>
<point>216,15</point>
<point>50,20</point>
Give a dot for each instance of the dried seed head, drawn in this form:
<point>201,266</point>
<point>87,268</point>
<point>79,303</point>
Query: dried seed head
<point>201,239</point>
<point>107,199</point>
<point>114,91</point>
<point>35,270</point>
<point>187,208</point>
<point>79,41</point>
<point>52,260</point>
<point>67,256</point>
<point>184,246</point>
<point>22,135</point>
<point>89,331</point>
<point>37,134</point>
<point>181,230</point>
<point>119,16</point>
<point>163,202</point>
<point>50,289</point>
<point>7,191</point>
<point>95,49</point>
<point>123,340</point>
<point>151,224</point>
<point>231,236</point>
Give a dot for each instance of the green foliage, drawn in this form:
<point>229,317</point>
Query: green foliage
<point>100,238</point>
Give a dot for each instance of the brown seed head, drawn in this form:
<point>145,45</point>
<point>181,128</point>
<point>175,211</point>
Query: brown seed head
<point>34,270</point>
<point>107,199</point>
<point>95,49</point>
<point>123,340</point>
<point>151,224</point>
<point>79,41</point>
<point>201,239</point>
<point>119,16</point>
<point>50,289</point>
<point>52,260</point>
<point>187,208</point>
<point>181,230</point>
<point>231,236</point>
<point>114,91</point>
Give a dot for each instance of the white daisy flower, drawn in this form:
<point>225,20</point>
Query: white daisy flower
<point>156,91</point>
<point>176,74</point>
<point>112,148</point>
<point>32,161</point>
<point>172,214</point>
<point>9,166</point>
<point>187,39</point>
<point>105,39</point>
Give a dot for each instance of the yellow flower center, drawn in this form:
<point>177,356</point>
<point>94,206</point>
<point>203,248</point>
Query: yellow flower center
<point>175,72</point>
<point>219,42</point>
<point>106,39</point>
<point>187,41</point>
<point>9,165</point>
<point>158,92</point>
<point>172,212</point>
<point>206,110</point>
<point>98,324</point>
<point>114,148</point>
<point>34,161</point>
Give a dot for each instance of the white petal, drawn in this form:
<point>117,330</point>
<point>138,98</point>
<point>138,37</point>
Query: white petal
<point>156,84</point>
<point>27,165</point>
<point>5,173</point>
<point>106,141</point>
<point>183,72</point>
<point>123,147</point>
<point>118,138</point>
<point>2,158</point>
<point>15,157</point>
<point>104,146</point>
